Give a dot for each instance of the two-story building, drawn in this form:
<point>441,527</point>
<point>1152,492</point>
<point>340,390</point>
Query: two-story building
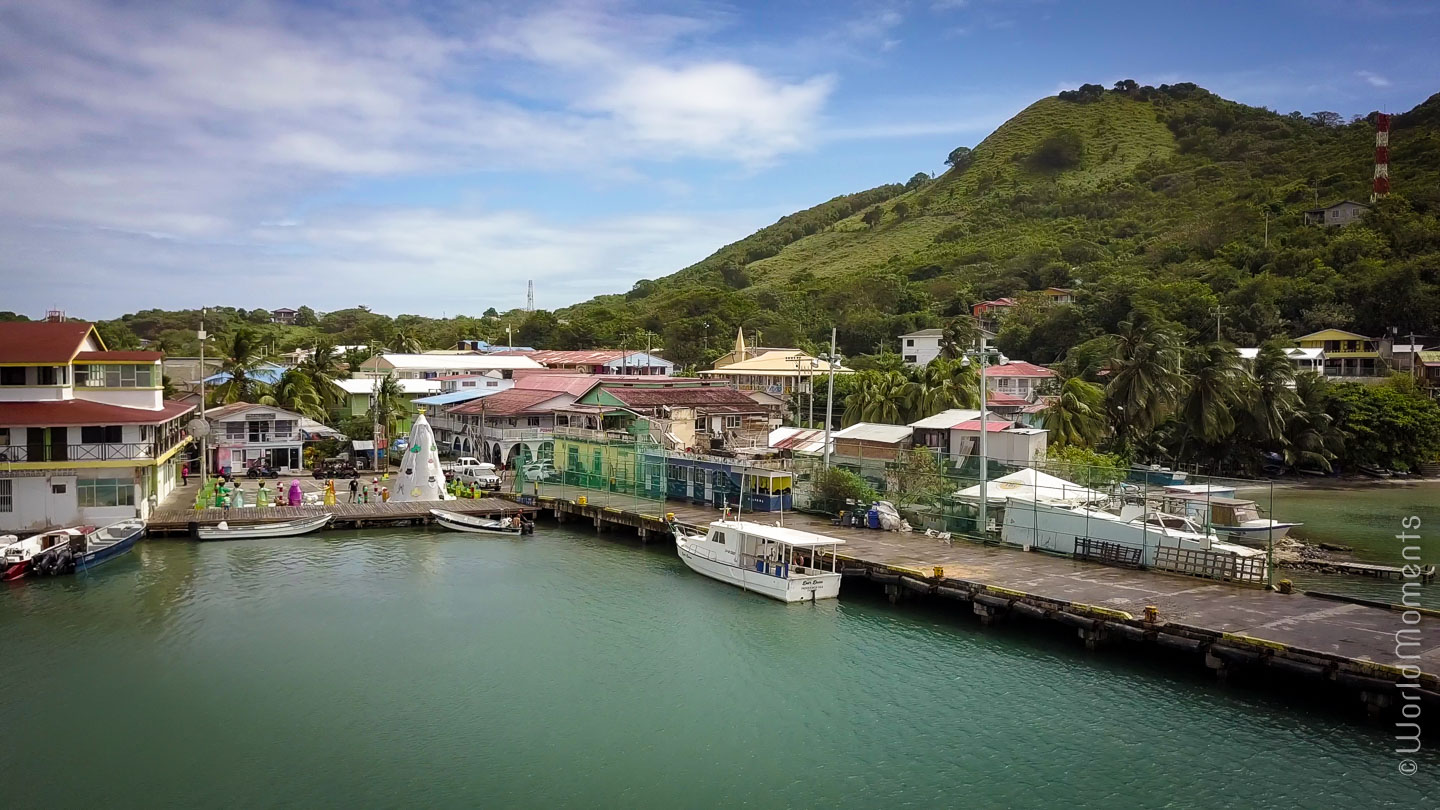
<point>920,347</point>
<point>1348,354</point>
<point>1311,360</point>
<point>283,315</point>
<point>597,361</point>
<point>360,394</point>
<point>86,435</point>
<point>440,364</point>
<point>243,435</point>
<point>955,434</point>
<point>1017,378</point>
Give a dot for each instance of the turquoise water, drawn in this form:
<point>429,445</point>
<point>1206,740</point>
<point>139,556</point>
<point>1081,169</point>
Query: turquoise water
<point>387,668</point>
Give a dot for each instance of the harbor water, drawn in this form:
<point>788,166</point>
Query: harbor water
<point>406,667</point>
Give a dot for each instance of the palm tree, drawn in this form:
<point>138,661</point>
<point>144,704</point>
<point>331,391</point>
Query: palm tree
<point>1077,416</point>
<point>932,390</point>
<point>354,357</point>
<point>242,359</point>
<point>389,406</point>
<point>1311,436</point>
<point>1271,395</point>
<point>1145,378</point>
<point>878,396</point>
<point>1216,388</point>
<point>324,369</point>
<point>405,342</point>
<point>294,391</point>
<point>958,337</point>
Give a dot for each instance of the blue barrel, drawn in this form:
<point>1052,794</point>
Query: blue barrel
<point>872,518</point>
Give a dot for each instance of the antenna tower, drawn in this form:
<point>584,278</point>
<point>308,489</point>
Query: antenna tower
<point>530,297</point>
<point>1382,157</point>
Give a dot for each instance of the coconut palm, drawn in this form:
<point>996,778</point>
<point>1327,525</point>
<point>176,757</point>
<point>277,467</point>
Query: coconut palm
<point>1145,378</point>
<point>388,404</point>
<point>1216,388</point>
<point>294,391</point>
<point>405,342</point>
<point>932,389</point>
<point>1077,416</point>
<point>1270,396</point>
<point>324,368</point>
<point>878,396</point>
<point>959,336</point>
<point>1311,437</point>
<point>352,358</point>
<point>242,358</point>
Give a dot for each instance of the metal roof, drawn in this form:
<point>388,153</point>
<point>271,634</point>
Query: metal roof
<point>85,412</point>
<point>788,536</point>
<point>456,397</point>
<point>53,342</point>
<point>874,432</point>
<point>947,419</point>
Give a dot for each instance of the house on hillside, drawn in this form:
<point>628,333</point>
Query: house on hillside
<point>1345,212</point>
<point>1347,354</point>
<point>988,313</point>
<point>1059,295</point>
<point>1017,378</point>
<point>283,315</point>
<point>1312,359</point>
<point>86,434</point>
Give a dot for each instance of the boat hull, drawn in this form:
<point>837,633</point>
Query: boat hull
<point>457,522</point>
<point>784,589</point>
<point>1256,534</point>
<point>290,528</point>
<point>15,571</point>
<point>91,559</point>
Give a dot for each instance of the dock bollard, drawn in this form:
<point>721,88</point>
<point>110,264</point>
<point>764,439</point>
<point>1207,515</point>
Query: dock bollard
<point>582,500</point>
<point>939,572</point>
<point>1152,613</point>
<point>670,516</point>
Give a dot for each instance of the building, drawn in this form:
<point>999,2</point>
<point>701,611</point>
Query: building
<point>1345,212</point>
<point>430,366</point>
<point>695,415</point>
<point>1059,295</point>
<point>283,315</point>
<point>1347,354</point>
<point>360,395</point>
<point>510,428</point>
<point>451,432</point>
<point>779,373</point>
<point>934,431</point>
<point>871,441</point>
<point>955,434</point>
<point>919,348</point>
<point>1303,359</point>
<point>988,313</point>
<point>1430,369</point>
<point>86,435</point>
<point>243,434</point>
<point>742,352</point>
<point>1017,378</point>
<point>598,361</point>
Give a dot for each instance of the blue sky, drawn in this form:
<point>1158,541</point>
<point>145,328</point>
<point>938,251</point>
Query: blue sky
<point>433,157</point>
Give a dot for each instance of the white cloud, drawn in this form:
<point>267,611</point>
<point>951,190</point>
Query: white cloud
<point>1373,79</point>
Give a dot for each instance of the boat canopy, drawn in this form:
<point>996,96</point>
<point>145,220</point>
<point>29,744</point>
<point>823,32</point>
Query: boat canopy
<point>778,534</point>
<point>1030,484</point>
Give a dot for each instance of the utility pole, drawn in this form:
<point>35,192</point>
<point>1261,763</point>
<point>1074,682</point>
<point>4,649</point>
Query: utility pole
<point>1218,310</point>
<point>1267,229</point>
<point>204,439</point>
<point>984,454</point>
<point>830,397</point>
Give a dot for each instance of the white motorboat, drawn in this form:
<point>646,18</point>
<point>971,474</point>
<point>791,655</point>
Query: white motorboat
<point>770,560</point>
<point>253,531</point>
<point>16,556</point>
<point>458,522</point>
<point>1237,519</point>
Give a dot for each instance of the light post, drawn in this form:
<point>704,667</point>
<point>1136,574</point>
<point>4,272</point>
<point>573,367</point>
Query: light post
<point>795,389</point>
<point>204,438</point>
<point>831,360</point>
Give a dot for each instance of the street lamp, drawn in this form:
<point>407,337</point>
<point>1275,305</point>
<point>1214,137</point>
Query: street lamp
<point>831,360</point>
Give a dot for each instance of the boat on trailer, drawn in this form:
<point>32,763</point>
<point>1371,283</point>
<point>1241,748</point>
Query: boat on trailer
<point>772,561</point>
<point>90,549</point>
<point>16,557</point>
<point>455,521</point>
<point>254,531</point>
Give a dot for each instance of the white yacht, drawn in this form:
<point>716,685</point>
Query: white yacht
<point>773,561</point>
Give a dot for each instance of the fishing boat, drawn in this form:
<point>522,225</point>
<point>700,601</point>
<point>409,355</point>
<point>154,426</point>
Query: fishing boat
<point>288,528</point>
<point>89,550</point>
<point>457,522</point>
<point>1237,519</point>
<point>772,561</point>
<point>16,557</point>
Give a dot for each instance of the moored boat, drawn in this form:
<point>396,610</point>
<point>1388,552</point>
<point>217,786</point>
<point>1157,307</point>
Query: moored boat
<point>772,561</point>
<point>17,557</point>
<point>288,528</point>
<point>89,550</point>
<point>455,521</point>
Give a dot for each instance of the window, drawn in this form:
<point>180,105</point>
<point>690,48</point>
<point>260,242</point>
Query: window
<point>57,489</point>
<point>1334,214</point>
<point>106,492</point>
<point>701,425</point>
<point>720,538</point>
<point>235,430</point>
<point>100,434</point>
<point>910,358</point>
<point>7,498</point>
<point>45,375</point>
<point>284,427</point>
<point>732,422</point>
<point>909,342</point>
<point>12,375</point>
<point>4,436</point>
<point>532,421</point>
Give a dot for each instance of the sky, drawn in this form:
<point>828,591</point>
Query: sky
<point>433,157</point>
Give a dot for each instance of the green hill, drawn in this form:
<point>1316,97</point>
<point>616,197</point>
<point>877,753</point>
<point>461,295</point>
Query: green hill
<point>1137,197</point>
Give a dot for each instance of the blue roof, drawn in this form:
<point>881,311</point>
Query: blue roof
<point>454,397</point>
<point>267,373</point>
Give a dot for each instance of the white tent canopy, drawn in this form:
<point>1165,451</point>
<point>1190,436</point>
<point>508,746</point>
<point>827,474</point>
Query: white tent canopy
<point>1032,485</point>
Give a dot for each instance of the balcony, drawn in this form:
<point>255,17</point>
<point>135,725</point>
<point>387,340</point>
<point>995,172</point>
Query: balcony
<point>34,454</point>
<point>516,434</point>
<point>607,436</point>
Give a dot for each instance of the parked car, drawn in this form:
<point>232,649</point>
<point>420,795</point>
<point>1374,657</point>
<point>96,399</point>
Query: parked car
<point>336,468</point>
<point>473,471</point>
<point>539,470</point>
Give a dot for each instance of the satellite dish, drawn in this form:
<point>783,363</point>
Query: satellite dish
<point>199,428</point>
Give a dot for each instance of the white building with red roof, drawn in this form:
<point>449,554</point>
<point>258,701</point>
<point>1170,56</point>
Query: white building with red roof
<point>86,435</point>
<point>1017,378</point>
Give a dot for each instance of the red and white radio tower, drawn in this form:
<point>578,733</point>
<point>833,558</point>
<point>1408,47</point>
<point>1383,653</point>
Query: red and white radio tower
<point>1382,157</point>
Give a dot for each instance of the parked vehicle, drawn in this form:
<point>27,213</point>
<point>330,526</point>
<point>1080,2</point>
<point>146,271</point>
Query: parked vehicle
<point>336,468</point>
<point>262,471</point>
<point>473,471</point>
<point>539,470</point>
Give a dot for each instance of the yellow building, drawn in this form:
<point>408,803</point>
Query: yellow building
<point>1347,354</point>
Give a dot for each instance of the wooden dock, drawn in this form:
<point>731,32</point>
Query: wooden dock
<point>1347,647</point>
<point>171,520</point>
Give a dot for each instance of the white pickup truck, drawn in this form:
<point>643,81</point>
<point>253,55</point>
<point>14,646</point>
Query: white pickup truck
<point>470,470</point>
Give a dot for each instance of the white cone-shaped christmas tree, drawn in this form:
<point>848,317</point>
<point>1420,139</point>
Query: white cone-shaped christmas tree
<point>420,477</point>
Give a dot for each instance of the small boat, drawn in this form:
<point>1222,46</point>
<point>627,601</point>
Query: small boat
<point>1237,518</point>
<point>288,528</point>
<point>769,560</point>
<point>1374,471</point>
<point>457,522</point>
<point>89,550</point>
<point>16,557</point>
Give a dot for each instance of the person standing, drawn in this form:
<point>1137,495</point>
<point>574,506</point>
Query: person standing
<point>354,488</point>
<point>185,474</point>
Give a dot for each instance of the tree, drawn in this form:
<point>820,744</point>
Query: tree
<point>305,316</point>
<point>873,216</point>
<point>932,390</point>
<point>834,486</point>
<point>919,477</point>
<point>1271,399</point>
<point>1391,425</point>
<point>1325,118</point>
<point>917,180</point>
<point>959,157</point>
<point>538,329</point>
<point>1085,466</point>
<point>1062,150</point>
<point>878,396</point>
<point>1077,416</point>
<point>294,391</point>
<point>325,370</point>
<point>491,313</point>
<point>958,336</point>
<point>117,335</point>
<point>404,341</point>
<point>1207,410</point>
<point>1126,86</point>
<point>389,405</point>
<point>1312,439</point>
<point>902,210</point>
<point>1145,379</point>
<point>241,359</point>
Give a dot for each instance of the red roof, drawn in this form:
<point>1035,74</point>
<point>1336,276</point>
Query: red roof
<point>552,357</point>
<point>509,402</point>
<point>127,357</point>
<point>1003,400</point>
<point>85,412</point>
<point>1018,368</point>
<point>577,385</point>
<point>696,396</point>
<point>42,341</point>
<point>991,425</point>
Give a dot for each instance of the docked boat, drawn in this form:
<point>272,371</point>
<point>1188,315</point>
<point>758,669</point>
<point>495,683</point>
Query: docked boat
<point>770,560</point>
<point>16,557</point>
<point>458,522</point>
<point>89,550</point>
<point>288,528</point>
<point>1236,519</point>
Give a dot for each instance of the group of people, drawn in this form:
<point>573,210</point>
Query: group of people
<point>224,493</point>
<point>374,493</point>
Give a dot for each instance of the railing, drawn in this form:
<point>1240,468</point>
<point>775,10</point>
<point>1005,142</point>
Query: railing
<point>23,454</point>
<point>514,434</point>
<point>259,438</point>
<point>613,436</point>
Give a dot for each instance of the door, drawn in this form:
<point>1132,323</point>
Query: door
<point>35,444</point>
